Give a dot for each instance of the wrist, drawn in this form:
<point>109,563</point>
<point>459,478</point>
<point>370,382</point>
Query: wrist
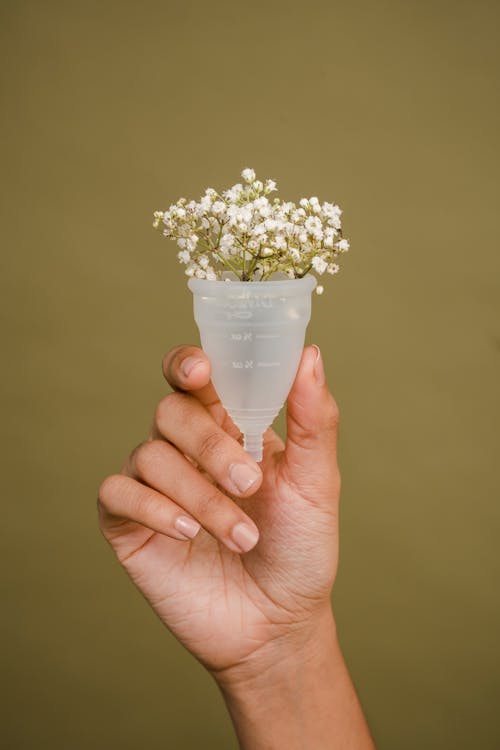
<point>298,650</point>
<point>296,693</point>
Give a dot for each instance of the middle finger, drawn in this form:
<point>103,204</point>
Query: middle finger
<point>183,421</point>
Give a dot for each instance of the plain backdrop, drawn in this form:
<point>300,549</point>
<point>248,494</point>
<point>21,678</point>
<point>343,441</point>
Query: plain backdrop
<point>112,110</point>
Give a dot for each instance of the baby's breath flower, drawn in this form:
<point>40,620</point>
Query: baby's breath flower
<point>248,175</point>
<point>158,216</point>
<point>218,207</point>
<point>319,264</point>
<point>319,289</point>
<point>241,233</point>
<point>342,245</point>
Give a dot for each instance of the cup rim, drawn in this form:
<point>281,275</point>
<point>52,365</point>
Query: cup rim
<point>289,287</point>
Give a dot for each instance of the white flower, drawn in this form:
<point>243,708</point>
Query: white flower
<point>319,289</point>
<point>227,241</point>
<point>261,202</point>
<point>241,228</point>
<point>158,216</point>
<point>342,245</point>
<point>233,193</point>
<point>313,225</point>
<point>204,204</point>
<point>315,205</point>
<point>279,242</point>
<point>248,175</point>
<point>319,264</point>
<point>191,242</point>
<point>259,229</point>
<point>218,207</point>
<point>328,236</point>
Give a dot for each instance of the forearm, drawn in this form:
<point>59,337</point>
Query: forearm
<point>298,697</point>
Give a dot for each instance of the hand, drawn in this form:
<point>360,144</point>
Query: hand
<point>225,596</point>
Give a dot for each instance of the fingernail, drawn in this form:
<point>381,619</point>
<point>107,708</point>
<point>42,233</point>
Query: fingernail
<point>243,476</point>
<point>187,526</point>
<point>244,536</point>
<point>189,364</point>
<point>319,370</point>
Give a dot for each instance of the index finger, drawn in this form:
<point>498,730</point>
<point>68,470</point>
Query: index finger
<point>187,368</point>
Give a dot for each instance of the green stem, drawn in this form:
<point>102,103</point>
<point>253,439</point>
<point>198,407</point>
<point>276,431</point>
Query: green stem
<point>226,262</point>
<point>306,270</point>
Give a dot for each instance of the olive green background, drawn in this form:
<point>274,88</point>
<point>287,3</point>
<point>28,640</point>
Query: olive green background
<point>115,109</point>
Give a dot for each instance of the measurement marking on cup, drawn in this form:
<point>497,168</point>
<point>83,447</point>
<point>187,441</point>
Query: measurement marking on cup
<point>247,364</point>
<point>245,336</point>
<point>266,335</point>
<point>268,364</point>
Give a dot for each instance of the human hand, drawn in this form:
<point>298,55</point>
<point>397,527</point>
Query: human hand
<point>228,599</point>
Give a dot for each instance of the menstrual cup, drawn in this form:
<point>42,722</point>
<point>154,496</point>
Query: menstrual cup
<point>253,333</point>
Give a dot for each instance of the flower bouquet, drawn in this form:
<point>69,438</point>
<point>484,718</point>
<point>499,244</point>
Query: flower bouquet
<point>250,261</point>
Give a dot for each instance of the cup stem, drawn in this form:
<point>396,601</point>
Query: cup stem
<point>253,444</point>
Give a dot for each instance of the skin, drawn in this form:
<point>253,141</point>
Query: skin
<point>259,619</point>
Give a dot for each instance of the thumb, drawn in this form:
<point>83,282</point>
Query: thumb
<point>310,458</point>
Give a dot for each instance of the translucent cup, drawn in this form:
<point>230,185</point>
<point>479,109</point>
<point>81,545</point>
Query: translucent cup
<point>253,333</point>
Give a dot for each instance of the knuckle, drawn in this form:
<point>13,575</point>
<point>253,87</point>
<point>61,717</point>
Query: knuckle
<point>209,502</point>
<point>332,413</point>
<point>174,403</point>
<point>146,505</point>
<point>147,454</point>
<point>109,488</point>
<point>211,445</point>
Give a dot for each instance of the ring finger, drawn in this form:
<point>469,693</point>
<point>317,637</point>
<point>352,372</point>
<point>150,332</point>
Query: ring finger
<point>161,466</point>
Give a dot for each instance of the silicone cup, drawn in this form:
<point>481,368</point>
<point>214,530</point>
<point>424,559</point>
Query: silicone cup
<point>253,333</point>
